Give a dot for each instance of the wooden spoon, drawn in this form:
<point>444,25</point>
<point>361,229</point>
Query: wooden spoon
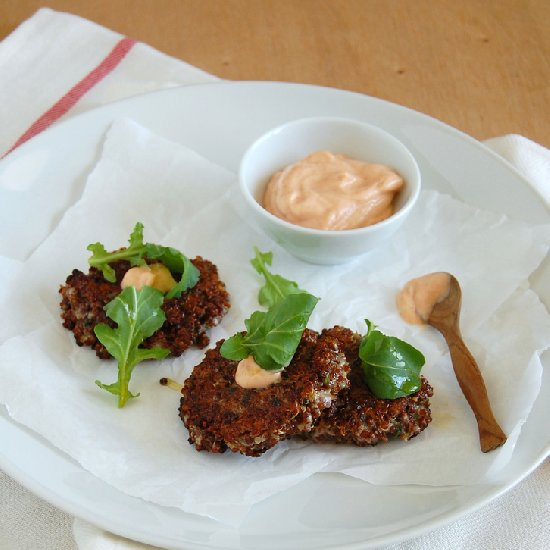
<point>445,318</point>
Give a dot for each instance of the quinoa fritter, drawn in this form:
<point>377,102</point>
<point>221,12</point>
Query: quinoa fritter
<point>187,318</point>
<point>219,414</point>
<point>358,417</point>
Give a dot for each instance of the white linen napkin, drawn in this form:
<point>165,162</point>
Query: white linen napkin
<point>143,69</point>
<point>51,58</point>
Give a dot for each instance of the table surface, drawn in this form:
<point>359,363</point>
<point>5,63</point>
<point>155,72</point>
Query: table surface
<point>482,66</point>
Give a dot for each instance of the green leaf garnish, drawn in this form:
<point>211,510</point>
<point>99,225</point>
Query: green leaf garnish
<point>137,251</point>
<point>276,287</point>
<point>391,367</point>
<point>176,262</point>
<point>101,259</point>
<point>138,314</point>
<point>272,336</point>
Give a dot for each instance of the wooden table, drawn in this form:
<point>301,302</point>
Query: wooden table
<point>482,66</point>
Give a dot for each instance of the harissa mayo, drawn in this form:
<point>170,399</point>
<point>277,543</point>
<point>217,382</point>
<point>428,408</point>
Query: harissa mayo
<point>332,191</point>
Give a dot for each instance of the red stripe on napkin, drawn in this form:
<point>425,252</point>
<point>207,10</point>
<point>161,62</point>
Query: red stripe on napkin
<point>115,56</point>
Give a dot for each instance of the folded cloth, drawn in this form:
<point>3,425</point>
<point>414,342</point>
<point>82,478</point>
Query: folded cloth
<point>56,65</point>
<point>529,158</point>
<point>93,66</point>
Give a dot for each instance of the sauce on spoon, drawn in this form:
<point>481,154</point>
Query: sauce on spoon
<point>437,300</point>
<point>418,297</point>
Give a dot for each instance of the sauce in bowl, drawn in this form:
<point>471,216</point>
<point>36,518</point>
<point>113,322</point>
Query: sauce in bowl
<point>333,192</point>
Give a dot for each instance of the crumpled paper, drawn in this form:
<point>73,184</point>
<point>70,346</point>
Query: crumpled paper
<point>185,201</point>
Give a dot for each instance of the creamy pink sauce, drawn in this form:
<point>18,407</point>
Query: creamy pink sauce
<point>418,297</point>
<point>250,375</point>
<point>334,192</point>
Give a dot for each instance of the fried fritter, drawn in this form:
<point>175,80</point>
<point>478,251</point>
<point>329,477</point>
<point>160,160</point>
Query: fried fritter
<point>219,414</point>
<point>187,318</point>
<point>358,417</point>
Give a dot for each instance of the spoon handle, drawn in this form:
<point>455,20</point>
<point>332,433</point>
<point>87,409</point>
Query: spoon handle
<point>473,387</point>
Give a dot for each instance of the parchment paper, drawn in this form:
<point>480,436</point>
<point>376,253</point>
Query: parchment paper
<point>185,201</point>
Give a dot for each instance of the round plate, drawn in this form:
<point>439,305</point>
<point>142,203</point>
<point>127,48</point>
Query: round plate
<point>41,179</point>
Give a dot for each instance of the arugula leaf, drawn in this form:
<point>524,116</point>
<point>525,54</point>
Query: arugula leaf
<point>276,287</point>
<point>176,262</point>
<point>272,336</point>
<point>138,314</point>
<point>136,253</point>
<point>234,348</point>
<point>101,259</point>
<point>391,367</point>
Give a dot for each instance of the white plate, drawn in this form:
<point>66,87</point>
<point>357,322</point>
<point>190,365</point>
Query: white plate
<point>41,179</point>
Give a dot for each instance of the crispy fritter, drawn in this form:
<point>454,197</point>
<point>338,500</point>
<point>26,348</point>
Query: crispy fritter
<point>220,414</point>
<point>358,417</point>
<point>187,318</point>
